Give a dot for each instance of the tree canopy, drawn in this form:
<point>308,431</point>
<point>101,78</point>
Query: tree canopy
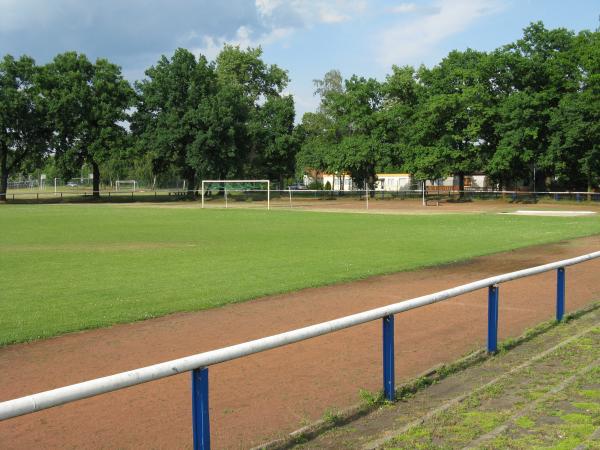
<point>87,107</point>
<point>24,130</point>
<point>528,106</point>
<point>219,120</point>
<point>527,112</point>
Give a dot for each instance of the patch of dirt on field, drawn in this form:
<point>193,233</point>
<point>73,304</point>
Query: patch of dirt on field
<point>267,395</point>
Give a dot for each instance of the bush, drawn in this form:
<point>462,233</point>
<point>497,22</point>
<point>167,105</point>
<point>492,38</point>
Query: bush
<point>328,186</point>
<point>316,185</point>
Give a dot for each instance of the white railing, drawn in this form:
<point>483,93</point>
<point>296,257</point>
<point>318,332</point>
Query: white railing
<point>301,194</point>
<point>198,363</point>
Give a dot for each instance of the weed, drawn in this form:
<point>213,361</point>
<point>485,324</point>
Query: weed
<point>588,407</point>
<point>372,399</point>
<point>525,422</point>
<point>409,389</point>
<point>594,394</point>
<point>576,418</point>
<point>331,417</point>
<point>300,439</point>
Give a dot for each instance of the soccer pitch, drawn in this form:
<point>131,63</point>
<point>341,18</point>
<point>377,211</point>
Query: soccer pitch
<point>73,267</point>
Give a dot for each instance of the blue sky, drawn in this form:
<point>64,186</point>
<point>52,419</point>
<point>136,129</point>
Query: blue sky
<point>305,37</point>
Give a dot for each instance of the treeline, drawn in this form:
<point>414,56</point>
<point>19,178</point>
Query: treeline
<point>528,110</point>
<point>530,107</point>
<point>188,118</point>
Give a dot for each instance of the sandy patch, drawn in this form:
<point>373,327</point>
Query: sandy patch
<point>532,212</point>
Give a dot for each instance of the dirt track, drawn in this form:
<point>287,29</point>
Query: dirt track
<point>265,395</point>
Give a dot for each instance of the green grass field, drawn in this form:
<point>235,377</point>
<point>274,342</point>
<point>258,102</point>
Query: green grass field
<point>72,267</point>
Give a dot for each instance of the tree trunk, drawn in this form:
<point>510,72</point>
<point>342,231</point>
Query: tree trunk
<point>191,183</point>
<point>461,185</point>
<point>95,180</point>
<point>3,176</point>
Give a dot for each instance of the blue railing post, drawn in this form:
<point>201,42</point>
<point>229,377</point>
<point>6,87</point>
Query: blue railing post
<point>389,388</point>
<point>560,294</point>
<point>200,418</point>
<point>492,341</point>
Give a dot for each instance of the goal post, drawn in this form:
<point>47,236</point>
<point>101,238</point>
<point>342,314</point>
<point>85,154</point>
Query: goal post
<point>124,183</point>
<point>224,183</point>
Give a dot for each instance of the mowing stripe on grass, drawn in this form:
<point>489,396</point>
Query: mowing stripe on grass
<point>73,267</point>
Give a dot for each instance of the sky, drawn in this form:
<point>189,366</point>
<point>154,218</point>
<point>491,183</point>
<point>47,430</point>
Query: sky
<point>305,37</point>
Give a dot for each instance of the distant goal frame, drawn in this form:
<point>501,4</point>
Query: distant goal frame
<point>268,182</point>
<point>118,184</point>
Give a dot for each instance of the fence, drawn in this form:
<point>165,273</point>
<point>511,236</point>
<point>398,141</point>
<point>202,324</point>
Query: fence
<point>198,364</point>
<point>290,198</point>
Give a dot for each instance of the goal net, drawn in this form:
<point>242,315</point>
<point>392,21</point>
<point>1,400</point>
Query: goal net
<point>125,185</point>
<point>236,193</point>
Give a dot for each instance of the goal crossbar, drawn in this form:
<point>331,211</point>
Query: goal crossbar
<point>268,182</point>
<point>118,183</point>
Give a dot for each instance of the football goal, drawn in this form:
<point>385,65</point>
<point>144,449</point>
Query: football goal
<point>229,192</point>
<point>125,185</point>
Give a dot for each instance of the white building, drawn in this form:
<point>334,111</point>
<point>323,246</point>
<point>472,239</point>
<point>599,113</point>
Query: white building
<point>477,181</point>
<point>393,182</point>
<point>338,182</point>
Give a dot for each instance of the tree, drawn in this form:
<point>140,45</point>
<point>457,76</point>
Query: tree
<point>332,83</point>
<point>316,134</point>
<point>272,131</point>
<point>321,131</point>
<point>343,136</point>
<point>220,120</point>
<point>533,74</point>
<point>177,118</point>
<point>359,155</point>
<point>88,105</point>
<point>449,123</point>
<point>402,94</point>
<point>574,150</point>
<point>264,143</point>
<point>24,131</point>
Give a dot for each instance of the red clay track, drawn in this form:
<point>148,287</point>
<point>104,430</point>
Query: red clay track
<point>263,396</point>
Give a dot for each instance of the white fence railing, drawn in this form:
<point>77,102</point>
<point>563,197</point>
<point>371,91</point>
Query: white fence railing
<point>199,363</point>
<point>288,197</point>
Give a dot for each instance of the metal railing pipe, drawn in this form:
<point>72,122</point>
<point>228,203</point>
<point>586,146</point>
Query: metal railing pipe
<point>55,397</point>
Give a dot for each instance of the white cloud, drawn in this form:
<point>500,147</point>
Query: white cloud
<point>244,37</point>
<point>309,12</point>
<point>326,16</point>
<point>279,19</point>
<point>404,8</point>
<point>411,41</point>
